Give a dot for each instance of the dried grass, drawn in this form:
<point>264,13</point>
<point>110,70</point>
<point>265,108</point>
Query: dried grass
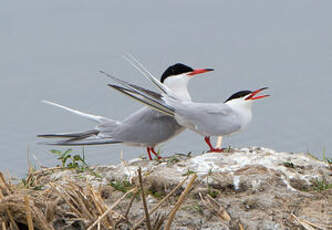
<point>67,203</point>
<point>43,209</point>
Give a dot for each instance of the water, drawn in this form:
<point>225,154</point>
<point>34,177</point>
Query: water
<point>54,50</point>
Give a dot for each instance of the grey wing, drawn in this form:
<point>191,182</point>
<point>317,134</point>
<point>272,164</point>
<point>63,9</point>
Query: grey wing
<point>146,127</point>
<point>208,119</point>
<point>102,134</point>
<point>93,140</point>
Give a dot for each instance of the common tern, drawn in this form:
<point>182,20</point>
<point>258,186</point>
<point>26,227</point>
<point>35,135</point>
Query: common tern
<point>145,127</point>
<point>206,119</point>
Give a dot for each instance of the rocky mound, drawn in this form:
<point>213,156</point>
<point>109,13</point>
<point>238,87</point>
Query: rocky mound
<point>248,188</point>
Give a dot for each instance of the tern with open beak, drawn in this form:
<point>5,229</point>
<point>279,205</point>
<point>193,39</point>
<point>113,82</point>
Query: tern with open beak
<point>206,119</point>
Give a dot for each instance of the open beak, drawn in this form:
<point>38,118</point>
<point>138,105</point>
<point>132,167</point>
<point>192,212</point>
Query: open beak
<point>199,71</point>
<point>254,93</point>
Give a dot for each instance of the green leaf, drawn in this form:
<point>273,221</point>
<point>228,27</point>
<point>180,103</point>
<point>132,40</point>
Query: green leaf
<point>78,158</point>
<point>54,151</point>
<point>68,151</point>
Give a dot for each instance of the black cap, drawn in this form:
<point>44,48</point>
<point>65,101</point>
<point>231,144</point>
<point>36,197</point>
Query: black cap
<point>176,69</point>
<point>239,95</point>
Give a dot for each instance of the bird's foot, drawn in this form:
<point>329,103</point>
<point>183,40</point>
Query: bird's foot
<point>216,150</point>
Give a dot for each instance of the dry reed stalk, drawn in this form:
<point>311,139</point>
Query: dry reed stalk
<point>241,227</point>
<point>5,185</point>
<point>11,220</point>
<point>160,203</point>
<point>214,206</point>
<point>130,205</point>
<point>306,224</point>
<point>147,217</point>
<point>179,202</point>
<point>101,206</point>
<point>92,204</point>
<point>314,225</point>
<point>95,199</point>
<point>40,219</point>
<point>159,221</point>
<point>64,198</point>
<point>28,212</point>
<point>3,225</point>
<point>110,208</point>
<point>79,199</point>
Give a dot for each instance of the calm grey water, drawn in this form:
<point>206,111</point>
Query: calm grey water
<point>54,49</point>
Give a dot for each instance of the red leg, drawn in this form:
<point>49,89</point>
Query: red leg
<point>148,149</point>
<point>207,140</point>
<point>156,154</point>
<point>212,149</point>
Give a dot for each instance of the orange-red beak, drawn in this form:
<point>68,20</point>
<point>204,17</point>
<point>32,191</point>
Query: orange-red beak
<point>199,71</point>
<point>254,93</point>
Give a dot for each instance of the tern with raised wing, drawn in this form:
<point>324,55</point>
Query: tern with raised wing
<point>206,119</point>
<point>145,127</point>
